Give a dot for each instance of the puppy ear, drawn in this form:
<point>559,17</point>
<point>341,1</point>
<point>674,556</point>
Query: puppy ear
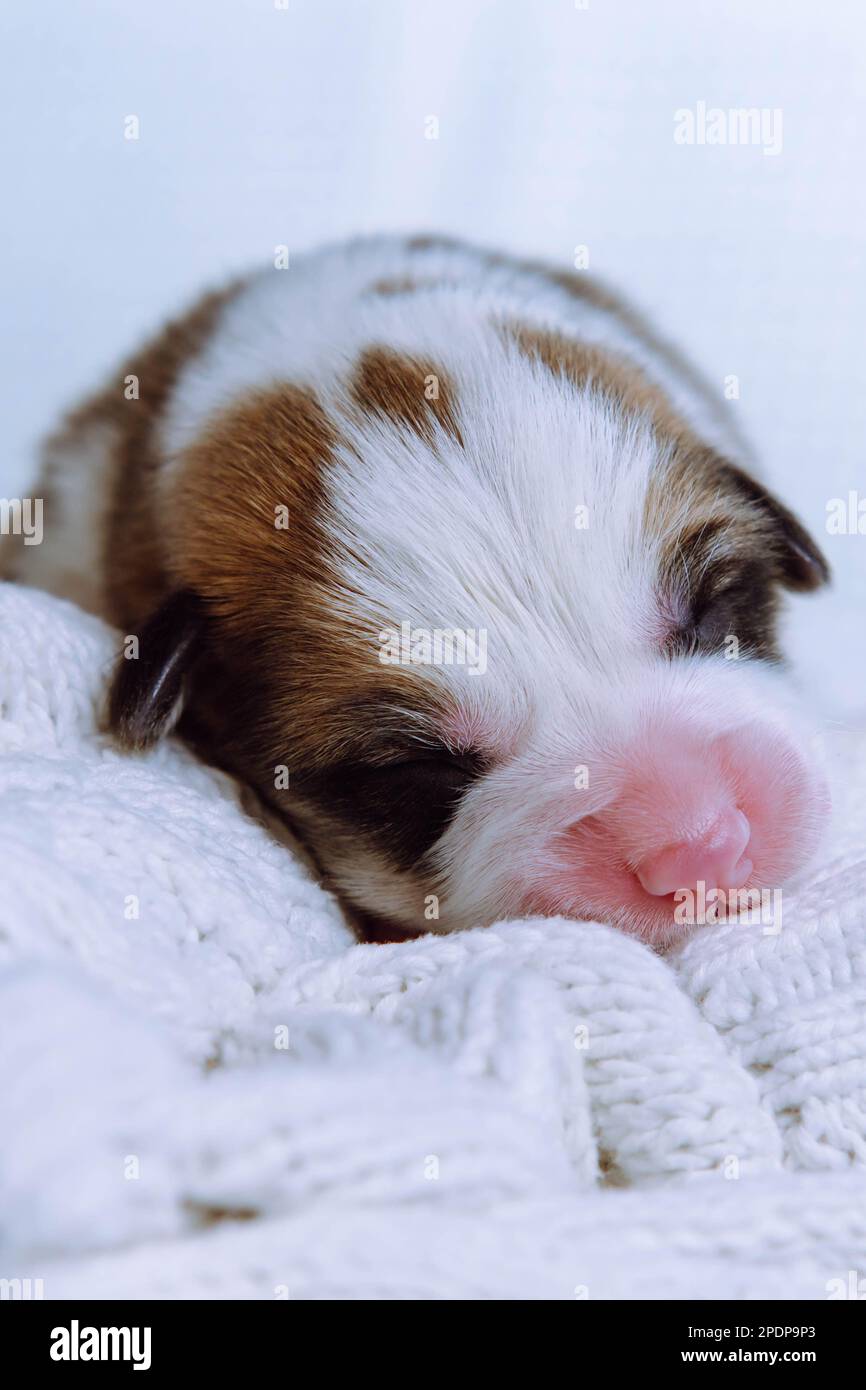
<point>146,692</point>
<point>800,563</point>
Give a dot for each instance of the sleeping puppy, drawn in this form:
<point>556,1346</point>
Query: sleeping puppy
<point>463,569</point>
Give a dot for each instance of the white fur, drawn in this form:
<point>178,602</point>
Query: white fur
<point>69,560</point>
<point>308,323</point>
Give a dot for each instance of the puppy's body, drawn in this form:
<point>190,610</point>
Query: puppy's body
<point>415,436</point>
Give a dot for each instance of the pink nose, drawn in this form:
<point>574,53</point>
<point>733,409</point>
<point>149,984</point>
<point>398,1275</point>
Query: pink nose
<point>715,858</point>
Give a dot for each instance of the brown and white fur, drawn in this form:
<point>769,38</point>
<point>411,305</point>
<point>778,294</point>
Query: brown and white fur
<point>433,417</point>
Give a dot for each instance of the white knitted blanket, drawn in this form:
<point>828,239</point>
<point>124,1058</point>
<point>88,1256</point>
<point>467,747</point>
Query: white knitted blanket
<point>208,1090</point>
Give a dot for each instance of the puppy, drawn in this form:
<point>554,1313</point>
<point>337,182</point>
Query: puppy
<point>464,570</point>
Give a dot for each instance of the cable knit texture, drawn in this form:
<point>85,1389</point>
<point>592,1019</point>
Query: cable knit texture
<point>209,1090</point>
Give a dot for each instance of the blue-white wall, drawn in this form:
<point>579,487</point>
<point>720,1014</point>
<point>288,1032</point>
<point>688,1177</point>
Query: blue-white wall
<point>262,125</point>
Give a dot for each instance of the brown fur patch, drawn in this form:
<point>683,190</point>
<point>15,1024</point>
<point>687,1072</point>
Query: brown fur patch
<point>290,677</point>
<point>391,287</point>
<point>591,291</point>
<point>396,285</point>
<point>430,241</point>
<point>134,572</point>
<point>405,390</point>
<point>280,674</point>
<point>587,289</point>
<point>586,366</point>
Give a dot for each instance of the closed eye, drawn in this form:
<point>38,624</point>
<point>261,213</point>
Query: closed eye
<point>468,762</point>
<point>405,805</point>
<point>730,603</point>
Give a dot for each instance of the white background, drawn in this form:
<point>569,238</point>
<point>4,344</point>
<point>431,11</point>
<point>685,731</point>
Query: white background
<point>262,126</point>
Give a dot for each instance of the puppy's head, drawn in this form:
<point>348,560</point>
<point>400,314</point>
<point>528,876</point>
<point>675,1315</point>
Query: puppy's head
<point>499,636</point>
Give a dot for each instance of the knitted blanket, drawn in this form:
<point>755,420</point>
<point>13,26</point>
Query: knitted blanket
<point>209,1090</point>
